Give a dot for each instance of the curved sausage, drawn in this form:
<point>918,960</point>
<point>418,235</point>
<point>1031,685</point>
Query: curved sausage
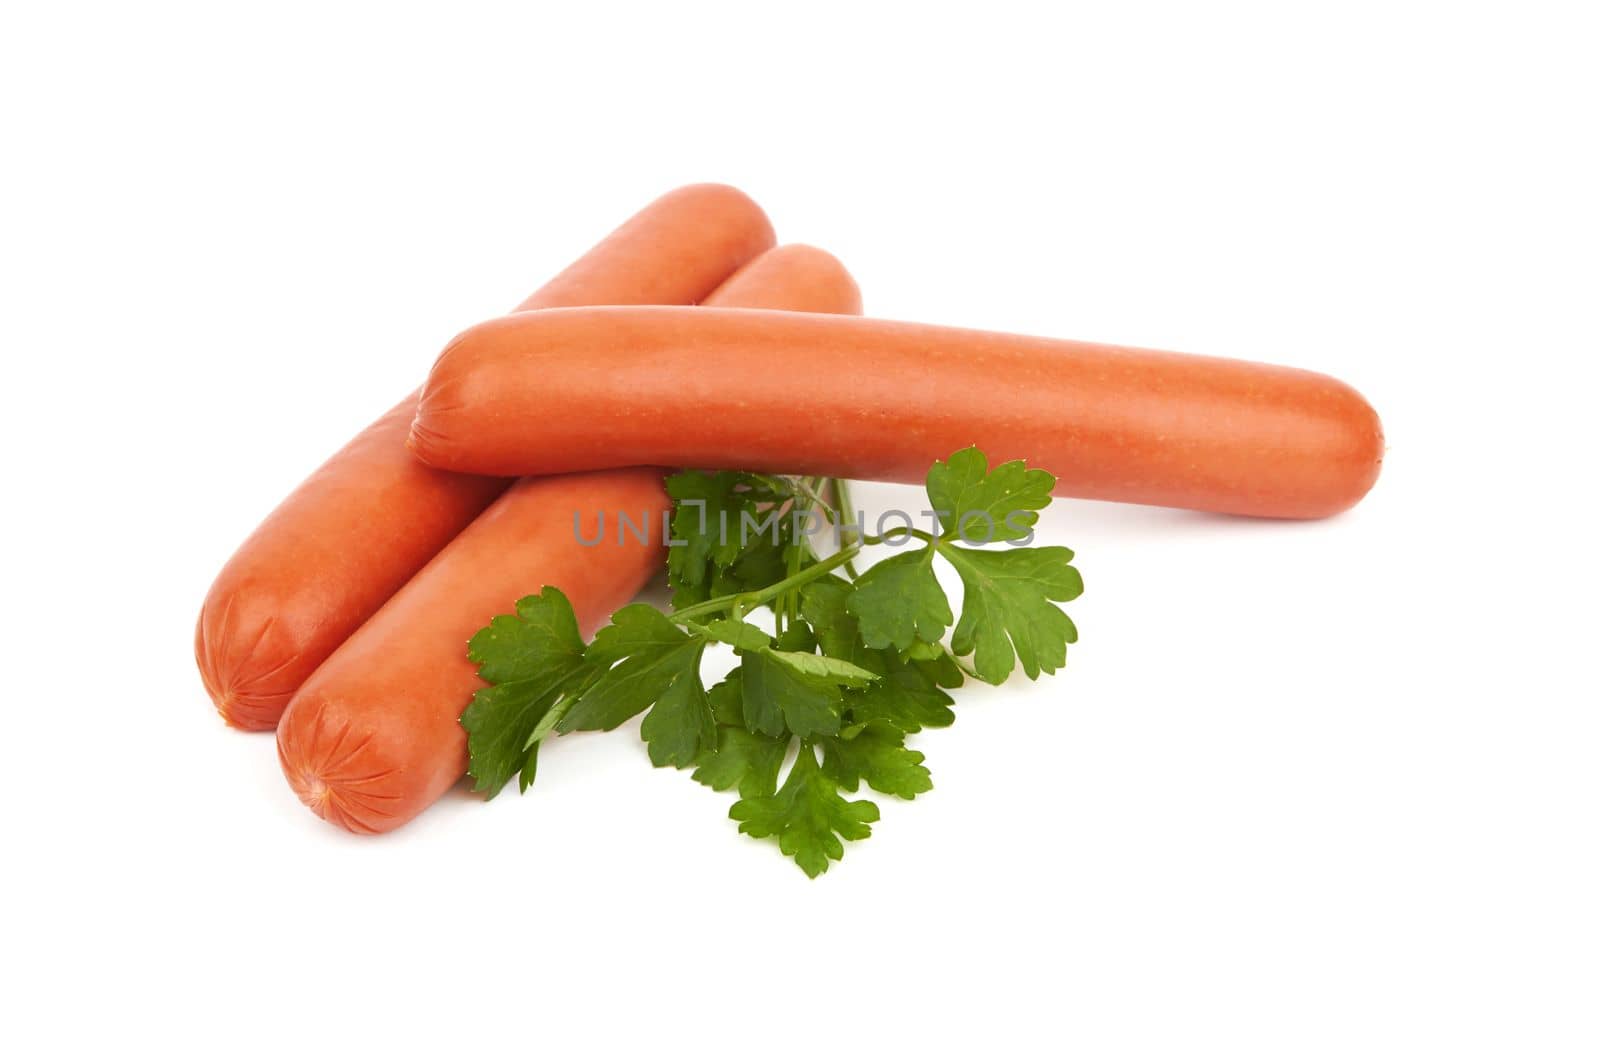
<point>881,400</point>
<point>349,536</point>
<point>372,737</point>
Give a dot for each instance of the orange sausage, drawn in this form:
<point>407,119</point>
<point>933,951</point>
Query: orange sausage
<point>372,738</point>
<point>880,400</point>
<point>371,517</point>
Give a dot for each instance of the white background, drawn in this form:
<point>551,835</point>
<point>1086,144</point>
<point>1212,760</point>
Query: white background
<point>1300,784</point>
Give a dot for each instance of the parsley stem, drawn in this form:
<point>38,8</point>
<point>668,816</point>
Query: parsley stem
<point>897,532</point>
<point>739,601</point>
<point>761,596</point>
<point>816,498</point>
<point>846,522</point>
<point>808,498</point>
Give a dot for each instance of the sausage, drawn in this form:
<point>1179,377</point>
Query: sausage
<point>880,400</point>
<point>349,536</point>
<point>372,737</point>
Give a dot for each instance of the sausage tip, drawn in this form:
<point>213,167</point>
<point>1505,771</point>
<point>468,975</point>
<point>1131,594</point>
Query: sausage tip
<point>240,666</point>
<point>322,768</point>
<point>246,712</point>
<point>1361,447</point>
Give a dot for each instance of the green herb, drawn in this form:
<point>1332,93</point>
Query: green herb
<point>854,665</point>
<point>807,815</point>
<point>1007,602</point>
<point>530,658</point>
<point>643,661</point>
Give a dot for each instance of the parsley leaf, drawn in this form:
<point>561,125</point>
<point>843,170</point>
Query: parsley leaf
<point>822,604</point>
<point>541,639</point>
<point>529,658</point>
<point>923,651</point>
<point>907,695</point>
<point>779,697</point>
<point>500,724</point>
<point>878,755</point>
<point>979,505</point>
<point>705,531</point>
<point>797,637</point>
<point>822,668</point>
<point>907,692</point>
<point>644,658</point>
<point>744,761</point>
<point>761,564</point>
<point>741,636</point>
<point>808,816</point>
<point>728,533</point>
<point>1007,603</point>
<point>680,724</point>
<point>727,699</point>
<point>898,601</point>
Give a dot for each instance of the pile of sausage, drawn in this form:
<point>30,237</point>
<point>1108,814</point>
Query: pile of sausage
<point>343,620</point>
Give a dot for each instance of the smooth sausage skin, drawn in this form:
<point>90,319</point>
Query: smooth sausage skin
<point>373,737</point>
<point>795,278</point>
<point>881,400</point>
<point>352,534</point>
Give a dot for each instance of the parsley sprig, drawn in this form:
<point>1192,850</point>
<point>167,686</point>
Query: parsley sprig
<point>855,664</point>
